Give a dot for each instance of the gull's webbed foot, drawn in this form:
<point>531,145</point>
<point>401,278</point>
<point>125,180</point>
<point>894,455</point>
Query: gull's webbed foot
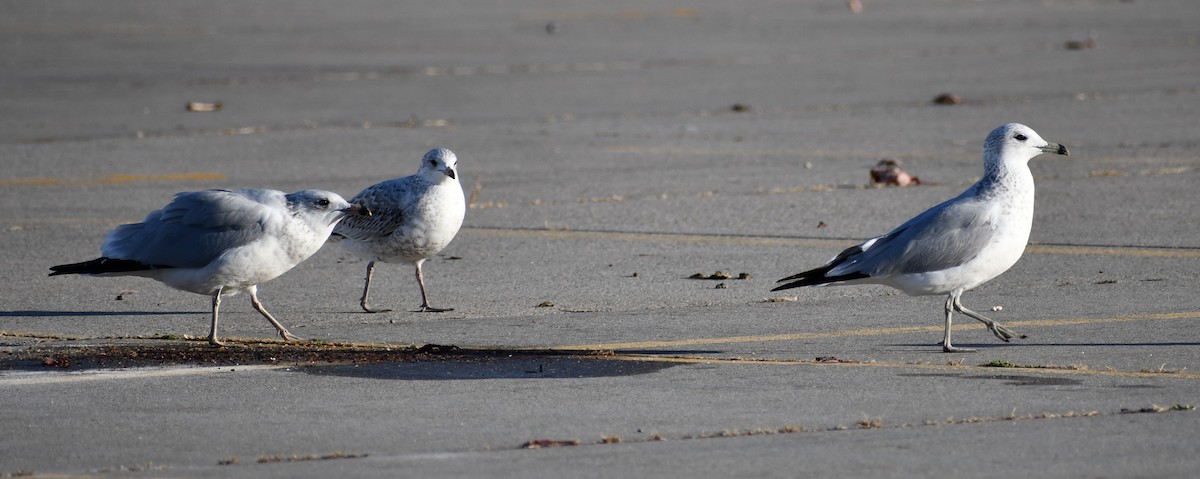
<point>288,336</point>
<point>950,348</point>
<point>1003,332</point>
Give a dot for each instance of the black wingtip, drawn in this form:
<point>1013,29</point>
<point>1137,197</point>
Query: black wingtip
<point>811,278</point>
<point>103,265</point>
<point>807,278</point>
<point>798,284</point>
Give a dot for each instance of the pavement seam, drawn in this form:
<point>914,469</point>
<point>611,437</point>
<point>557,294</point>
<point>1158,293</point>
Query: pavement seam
<point>1042,370</point>
<point>864,423</point>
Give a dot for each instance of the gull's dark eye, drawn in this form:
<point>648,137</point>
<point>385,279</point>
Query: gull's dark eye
<point>1021,137</point>
<point>432,162</point>
<point>323,202</point>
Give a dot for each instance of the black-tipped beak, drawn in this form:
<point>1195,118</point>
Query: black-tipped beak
<point>357,210</point>
<point>1056,148</point>
<point>450,172</point>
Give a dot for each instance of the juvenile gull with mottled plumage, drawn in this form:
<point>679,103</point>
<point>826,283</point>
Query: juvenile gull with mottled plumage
<point>415,217</point>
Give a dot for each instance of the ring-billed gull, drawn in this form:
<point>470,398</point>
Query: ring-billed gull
<point>956,245</point>
<point>414,218</point>
<point>221,242</point>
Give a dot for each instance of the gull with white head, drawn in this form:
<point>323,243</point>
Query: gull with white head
<point>414,218</point>
<point>956,245</point>
<point>221,242</point>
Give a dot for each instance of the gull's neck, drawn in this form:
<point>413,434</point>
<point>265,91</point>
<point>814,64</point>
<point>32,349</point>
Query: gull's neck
<point>1011,183</point>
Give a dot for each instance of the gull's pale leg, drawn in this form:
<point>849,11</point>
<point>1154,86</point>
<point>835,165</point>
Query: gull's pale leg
<point>999,330</point>
<point>212,330</point>
<point>946,346</point>
<point>366,306</point>
<point>425,307</point>
<point>283,332</point>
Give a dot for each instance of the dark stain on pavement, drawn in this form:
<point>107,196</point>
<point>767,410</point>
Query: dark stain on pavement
<point>428,362</point>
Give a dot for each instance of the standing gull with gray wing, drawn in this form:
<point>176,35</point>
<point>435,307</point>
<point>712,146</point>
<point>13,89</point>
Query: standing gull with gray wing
<point>415,217</point>
<point>221,242</point>
<point>957,245</point>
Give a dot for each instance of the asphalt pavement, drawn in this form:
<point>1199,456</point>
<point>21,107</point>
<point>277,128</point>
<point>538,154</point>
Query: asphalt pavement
<point>610,151</point>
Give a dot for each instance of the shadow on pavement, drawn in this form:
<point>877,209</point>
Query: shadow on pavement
<point>485,367</point>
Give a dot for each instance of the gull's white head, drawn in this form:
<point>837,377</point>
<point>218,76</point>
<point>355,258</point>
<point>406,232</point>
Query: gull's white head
<point>439,165</point>
<point>325,208</point>
<point>1015,144</point>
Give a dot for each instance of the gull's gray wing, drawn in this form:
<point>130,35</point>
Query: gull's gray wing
<point>942,237</point>
<point>197,227</point>
<point>391,203</point>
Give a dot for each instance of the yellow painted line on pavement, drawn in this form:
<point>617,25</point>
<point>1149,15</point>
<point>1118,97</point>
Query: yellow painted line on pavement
<point>757,339</point>
<point>115,179</point>
<point>801,242</point>
<point>875,364</point>
<point>1111,251</point>
<point>873,332</point>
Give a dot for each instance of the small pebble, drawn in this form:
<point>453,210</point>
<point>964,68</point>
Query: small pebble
<point>947,99</point>
<point>204,106</point>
